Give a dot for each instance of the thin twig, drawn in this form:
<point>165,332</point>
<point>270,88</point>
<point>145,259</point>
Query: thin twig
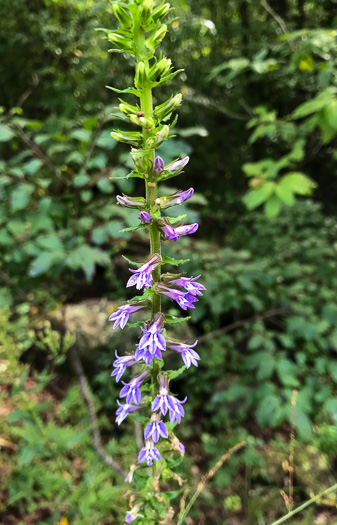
<point>208,476</point>
<point>237,324</point>
<point>278,19</point>
<point>86,394</point>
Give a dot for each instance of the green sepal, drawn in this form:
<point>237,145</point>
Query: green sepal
<point>138,324</point>
<point>172,374</point>
<point>130,90</point>
<point>139,298</point>
<point>131,229</point>
<point>174,262</point>
<point>171,319</point>
<point>128,176</point>
<point>174,220</point>
<point>131,262</point>
<point>169,174</point>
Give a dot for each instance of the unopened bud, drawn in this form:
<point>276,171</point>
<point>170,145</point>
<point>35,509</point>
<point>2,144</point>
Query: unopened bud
<point>176,198</point>
<point>167,107</point>
<point>154,40</point>
<point>158,166</point>
<point>131,202</point>
<point>161,68</point>
<point>147,8</point>
<point>126,108</point>
<point>122,16</point>
<point>142,121</point>
<point>177,164</point>
<point>130,137</point>
<point>121,42</point>
<point>159,12</point>
<point>139,160</point>
<point>159,137</point>
<point>141,76</point>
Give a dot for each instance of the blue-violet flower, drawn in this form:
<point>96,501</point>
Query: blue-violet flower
<point>122,315</point>
<point>184,299</point>
<point>143,274</point>
<point>121,363</point>
<point>190,357</point>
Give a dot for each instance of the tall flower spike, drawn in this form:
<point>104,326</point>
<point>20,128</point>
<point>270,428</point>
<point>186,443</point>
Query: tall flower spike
<point>142,29</point>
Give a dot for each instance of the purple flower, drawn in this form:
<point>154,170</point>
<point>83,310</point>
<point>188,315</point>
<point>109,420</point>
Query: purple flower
<point>132,514</point>
<point>121,363</point>
<point>154,430</point>
<point>177,164</point>
<point>145,217</point>
<point>189,284</point>
<point>129,518</point>
<point>152,335</point>
<point>158,165</point>
<point>123,411</point>
<point>177,198</point>
<point>173,234</point>
<point>143,274</point>
<point>190,357</point>
<point>131,202</point>
<point>185,300</point>
<point>121,317</point>
<point>149,453</point>
<point>131,390</point>
<point>166,402</point>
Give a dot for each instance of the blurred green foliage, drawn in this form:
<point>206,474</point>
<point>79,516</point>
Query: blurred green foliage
<point>259,103</point>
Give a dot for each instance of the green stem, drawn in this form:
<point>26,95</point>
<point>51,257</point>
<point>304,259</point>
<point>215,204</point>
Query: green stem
<point>304,505</point>
<point>146,102</point>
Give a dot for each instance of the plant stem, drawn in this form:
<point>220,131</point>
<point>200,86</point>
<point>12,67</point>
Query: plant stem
<point>146,102</point>
<point>306,504</point>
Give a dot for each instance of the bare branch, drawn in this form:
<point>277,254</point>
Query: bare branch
<point>86,394</point>
<point>237,324</point>
<point>278,19</point>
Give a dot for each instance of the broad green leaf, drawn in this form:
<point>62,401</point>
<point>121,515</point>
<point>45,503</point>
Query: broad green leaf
<point>6,134</point>
<point>298,183</point>
<point>21,196</point>
<point>81,180</point>
<point>50,242</point>
<point>31,167</point>
<point>258,196</point>
<point>44,262</point>
<point>313,106</point>
<point>303,425</point>
<point>287,372</point>
<point>272,207</point>
<point>284,192</point>
<point>83,135</point>
<point>330,113</point>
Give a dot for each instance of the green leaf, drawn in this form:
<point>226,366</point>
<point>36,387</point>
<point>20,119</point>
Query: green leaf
<point>330,114</point>
<point>6,134</point>
<point>86,258</point>
<point>287,372</point>
<point>130,90</point>
<point>31,167</point>
<point>81,180</point>
<point>104,186</point>
<point>313,106</point>
<point>333,370</point>
<point>285,193</point>
<point>174,220</point>
<point>272,207</point>
<point>83,135</point>
<point>298,183</point>
<point>172,374</point>
<point>131,229</point>
<point>266,410</point>
<point>50,242</point>
<point>44,262</point>
<point>21,196</point>
<point>174,262</point>
<point>171,319</point>
<point>303,425</point>
<point>255,197</point>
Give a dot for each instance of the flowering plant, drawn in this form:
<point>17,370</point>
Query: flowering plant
<point>141,30</point>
